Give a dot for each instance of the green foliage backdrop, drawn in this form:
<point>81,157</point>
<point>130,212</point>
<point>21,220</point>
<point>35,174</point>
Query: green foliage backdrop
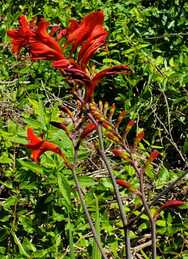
<point>38,214</point>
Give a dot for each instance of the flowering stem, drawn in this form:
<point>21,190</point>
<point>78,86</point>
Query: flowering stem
<point>90,222</point>
<point>117,194</point>
<point>158,196</point>
<point>140,174</point>
<point>151,219</point>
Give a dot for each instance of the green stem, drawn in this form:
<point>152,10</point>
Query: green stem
<point>90,222</point>
<point>151,219</point>
<point>117,194</point>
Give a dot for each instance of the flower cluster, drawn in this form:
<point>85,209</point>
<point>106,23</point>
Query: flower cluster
<point>84,37</point>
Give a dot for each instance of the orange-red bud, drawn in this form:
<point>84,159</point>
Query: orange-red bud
<point>112,110</point>
<point>153,155</point>
<point>128,186</point>
<point>88,129</point>
<point>66,110</point>
<point>139,137</point>
<point>171,204</point>
<point>120,153</point>
<point>114,137</point>
<point>120,118</point>
<point>129,126</point>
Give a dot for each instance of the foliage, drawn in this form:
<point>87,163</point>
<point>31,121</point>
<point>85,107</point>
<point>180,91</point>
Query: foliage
<point>41,215</point>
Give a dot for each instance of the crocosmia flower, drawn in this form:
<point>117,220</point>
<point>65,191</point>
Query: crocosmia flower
<point>85,37</point>
<point>39,146</point>
<point>36,38</point>
<point>20,37</point>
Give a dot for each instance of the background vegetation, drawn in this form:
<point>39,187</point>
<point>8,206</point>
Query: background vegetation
<point>38,215</point>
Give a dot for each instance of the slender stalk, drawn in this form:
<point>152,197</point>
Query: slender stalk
<point>117,194</point>
<point>90,222</point>
<point>151,219</point>
<point>167,189</point>
<point>158,196</point>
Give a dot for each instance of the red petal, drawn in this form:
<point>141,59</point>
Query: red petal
<point>61,63</point>
<point>89,48</point>
<point>61,34</point>
<point>40,50</point>
<point>45,37</point>
<point>24,24</point>
<point>48,146</point>
<point>83,31</point>
<point>121,69</point>
<point>35,155</point>
<point>20,36</point>
<point>32,138</point>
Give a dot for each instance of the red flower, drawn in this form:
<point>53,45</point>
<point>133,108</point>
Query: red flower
<point>91,46</point>
<point>35,36</point>
<point>39,146</point>
<point>90,34</point>
<point>43,45</point>
<point>129,126</point>
<point>20,36</point>
<point>121,69</point>
<point>90,27</point>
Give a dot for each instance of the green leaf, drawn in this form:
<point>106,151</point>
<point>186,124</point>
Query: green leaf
<point>4,158</point>
<point>64,188</point>
<point>18,243</point>
<point>86,181</point>
<point>11,201</point>
<point>26,222</point>
<point>161,223</point>
<point>30,166</point>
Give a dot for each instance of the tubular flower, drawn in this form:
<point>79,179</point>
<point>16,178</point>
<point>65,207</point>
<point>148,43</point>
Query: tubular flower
<point>89,48</point>
<point>89,28</point>
<point>120,118</point>
<point>35,36</point>
<point>20,37</point>
<point>44,46</point>
<point>168,204</point>
<point>89,34</point>
<point>39,146</point>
